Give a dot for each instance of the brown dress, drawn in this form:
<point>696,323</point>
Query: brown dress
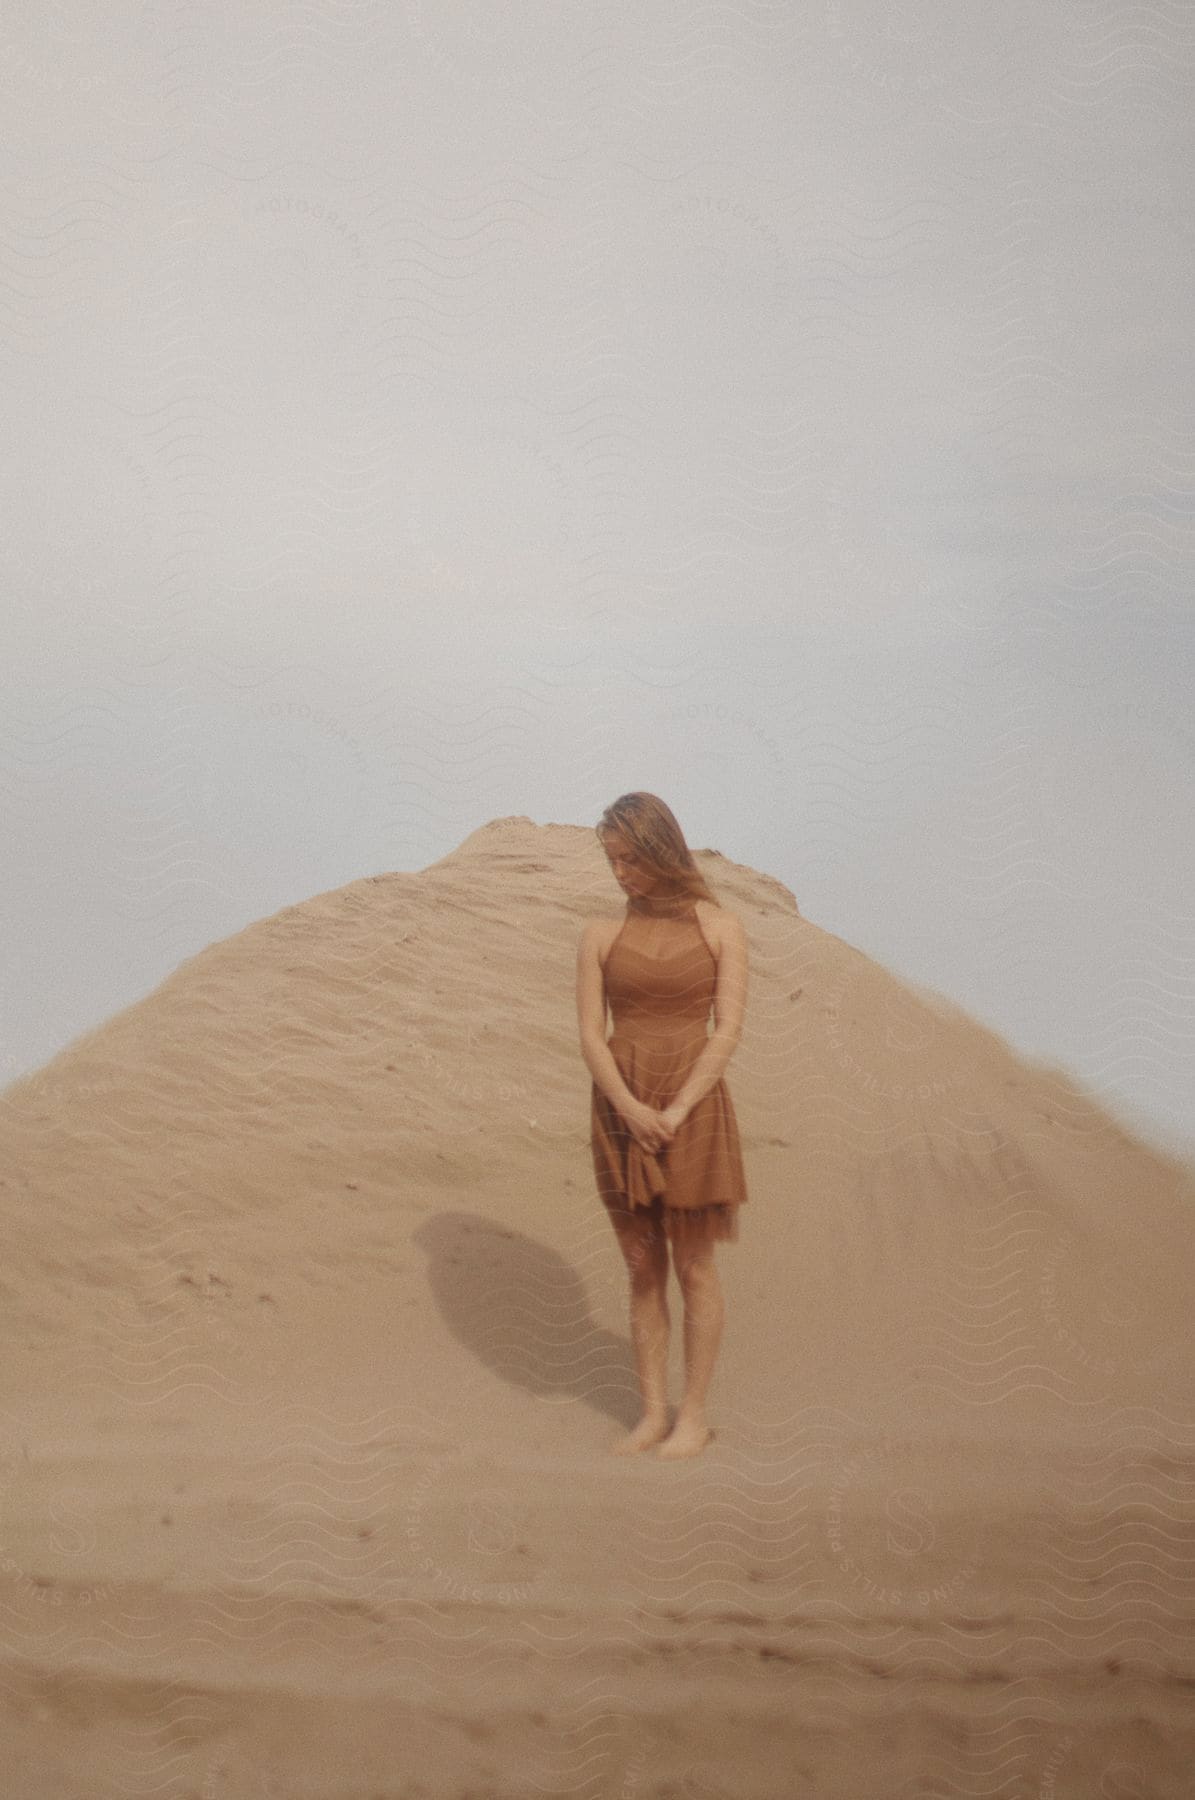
<point>660,976</point>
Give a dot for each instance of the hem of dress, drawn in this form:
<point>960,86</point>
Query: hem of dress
<point>718,1219</point>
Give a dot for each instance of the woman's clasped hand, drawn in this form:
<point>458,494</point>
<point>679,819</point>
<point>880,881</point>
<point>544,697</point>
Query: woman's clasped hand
<point>652,1129</point>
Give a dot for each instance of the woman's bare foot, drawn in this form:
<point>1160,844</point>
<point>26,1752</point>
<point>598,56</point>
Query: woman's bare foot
<point>688,1437</point>
<point>650,1429</point>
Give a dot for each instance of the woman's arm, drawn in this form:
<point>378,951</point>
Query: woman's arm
<point>591,1018</point>
<point>730,1004</point>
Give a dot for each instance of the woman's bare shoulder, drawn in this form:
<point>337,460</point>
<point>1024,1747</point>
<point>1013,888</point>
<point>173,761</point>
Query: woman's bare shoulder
<point>718,923</point>
<point>600,933</point>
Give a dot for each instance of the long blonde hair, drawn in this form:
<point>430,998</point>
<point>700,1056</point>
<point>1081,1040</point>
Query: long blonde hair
<point>645,822</point>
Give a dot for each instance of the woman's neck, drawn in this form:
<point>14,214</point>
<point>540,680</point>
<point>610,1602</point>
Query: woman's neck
<point>654,905</point>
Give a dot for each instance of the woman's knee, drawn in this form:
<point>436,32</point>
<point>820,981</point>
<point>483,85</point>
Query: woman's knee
<point>695,1269</point>
<point>650,1278</point>
<point>645,1253</point>
<point>650,1265</point>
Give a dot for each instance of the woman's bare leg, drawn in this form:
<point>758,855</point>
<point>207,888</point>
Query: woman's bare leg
<point>704,1317</point>
<point>645,1249</point>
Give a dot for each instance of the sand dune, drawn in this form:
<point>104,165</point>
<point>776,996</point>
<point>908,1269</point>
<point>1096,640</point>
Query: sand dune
<point>314,1338</point>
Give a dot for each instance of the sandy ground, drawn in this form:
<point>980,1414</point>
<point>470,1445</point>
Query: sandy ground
<point>314,1339</point>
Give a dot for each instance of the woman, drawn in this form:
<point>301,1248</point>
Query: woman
<point>664,1136</point>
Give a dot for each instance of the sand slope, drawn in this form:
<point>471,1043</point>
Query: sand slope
<point>314,1336</point>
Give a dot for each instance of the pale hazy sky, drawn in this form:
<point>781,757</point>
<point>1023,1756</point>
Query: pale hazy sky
<point>419,413</point>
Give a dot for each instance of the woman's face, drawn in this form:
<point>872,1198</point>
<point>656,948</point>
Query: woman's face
<point>632,875</point>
